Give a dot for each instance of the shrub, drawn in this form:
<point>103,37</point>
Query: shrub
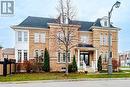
<point>115,65</point>
<point>18,67</point>
<point>99,64</point>
<point>73,66</point>
<point>27,66</point>
<point>46,65</point>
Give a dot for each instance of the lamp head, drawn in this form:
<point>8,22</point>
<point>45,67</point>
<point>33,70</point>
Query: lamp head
<point>117,4</point>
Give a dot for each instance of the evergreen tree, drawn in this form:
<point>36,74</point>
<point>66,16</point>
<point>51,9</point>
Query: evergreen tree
<point>46,64</point>
<point>100,64</point>
<point>74,65</point>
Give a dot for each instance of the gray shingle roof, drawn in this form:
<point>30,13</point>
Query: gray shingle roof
<point>41,22</point>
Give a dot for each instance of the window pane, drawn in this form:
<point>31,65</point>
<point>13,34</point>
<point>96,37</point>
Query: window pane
<point>68,57</point>
<point>19,55</point>
<point>101,39</point>
<point>84,39</point>
<point>43,37</point>
<point>19,36</point>
<point>25,55</point>
<point>25,36</point>
<point>64,60</point>
<point>58,56</point>
<point>36,37</point>
<point>36,53</point>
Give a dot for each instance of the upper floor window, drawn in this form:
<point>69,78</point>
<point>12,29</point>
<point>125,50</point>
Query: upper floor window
<point>25,36</point>
<point>105,39</point>
<point>19,36</point>
<point>84,39</point>
<point>101,39</point>
<point>22,36</point>
<point>39,37</point>
<point>36,37</point>
<point>42,37</point>
<point>105,23</point>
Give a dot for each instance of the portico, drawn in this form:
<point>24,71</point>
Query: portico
<point>87,59</point>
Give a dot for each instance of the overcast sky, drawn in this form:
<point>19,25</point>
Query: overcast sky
<point>87,10</point>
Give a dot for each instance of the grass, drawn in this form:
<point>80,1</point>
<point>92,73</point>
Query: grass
<point>60,76</point>
<point>125,66</point>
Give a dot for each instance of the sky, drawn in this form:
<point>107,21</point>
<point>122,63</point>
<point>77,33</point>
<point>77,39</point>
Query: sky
<point>86,10</point>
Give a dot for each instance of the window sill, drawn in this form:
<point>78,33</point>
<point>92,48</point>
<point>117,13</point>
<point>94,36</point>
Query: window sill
<point>62,62</point>
<point>39,43</point>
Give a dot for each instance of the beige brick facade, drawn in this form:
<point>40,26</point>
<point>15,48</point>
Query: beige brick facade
<point>52,46</point>
<point>88,51</point>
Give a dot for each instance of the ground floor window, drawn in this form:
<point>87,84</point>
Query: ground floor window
<point>19,55</point>
<point>25,55</point>
<point>22,55</point>
<point>39,55</point>
<point>104,57</point>
<point>62,57</point>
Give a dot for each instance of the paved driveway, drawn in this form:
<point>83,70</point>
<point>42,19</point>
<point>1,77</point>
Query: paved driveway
<point>101,83</point>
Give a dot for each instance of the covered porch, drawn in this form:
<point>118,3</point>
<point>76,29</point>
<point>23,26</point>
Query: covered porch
<point>87,58</point>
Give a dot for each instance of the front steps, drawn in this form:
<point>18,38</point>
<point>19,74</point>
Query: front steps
<point>88,69</point>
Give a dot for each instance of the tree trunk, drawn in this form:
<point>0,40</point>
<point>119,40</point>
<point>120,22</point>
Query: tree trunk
<point>66,61</point>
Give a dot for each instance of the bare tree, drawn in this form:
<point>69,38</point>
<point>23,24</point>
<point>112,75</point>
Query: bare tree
<point>66,35</point>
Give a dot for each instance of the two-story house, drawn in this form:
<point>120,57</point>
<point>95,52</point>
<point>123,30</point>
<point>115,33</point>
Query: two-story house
<point>35,34</point>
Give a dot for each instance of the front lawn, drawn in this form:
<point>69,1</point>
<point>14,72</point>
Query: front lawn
<point>59,76</point>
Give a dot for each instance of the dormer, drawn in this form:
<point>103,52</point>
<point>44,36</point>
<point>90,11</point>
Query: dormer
<point>104,22</point>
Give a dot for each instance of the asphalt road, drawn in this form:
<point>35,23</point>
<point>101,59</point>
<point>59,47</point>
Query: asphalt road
<point>98,83</point>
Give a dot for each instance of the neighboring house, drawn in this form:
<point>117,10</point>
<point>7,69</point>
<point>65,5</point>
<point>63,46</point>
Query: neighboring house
<point>0,52</point>
<point>7,53</point>
<point>124,58</point>
<point>35,34</point>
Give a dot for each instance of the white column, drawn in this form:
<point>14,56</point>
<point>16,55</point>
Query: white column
<point>78,58</point>
<point>96,59</point>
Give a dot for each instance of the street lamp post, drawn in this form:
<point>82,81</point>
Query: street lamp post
<point>116,5</point>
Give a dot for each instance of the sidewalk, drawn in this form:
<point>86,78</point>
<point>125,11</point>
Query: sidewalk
<point>66,80</point>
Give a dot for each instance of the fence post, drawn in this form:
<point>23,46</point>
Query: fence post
<point>10,67</point>
<point>5,67</point>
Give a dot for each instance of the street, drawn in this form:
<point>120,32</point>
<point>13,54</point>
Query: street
<point>98,83</point>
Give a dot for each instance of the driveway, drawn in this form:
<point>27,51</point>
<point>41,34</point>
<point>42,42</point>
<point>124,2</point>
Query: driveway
<point>98,83</point>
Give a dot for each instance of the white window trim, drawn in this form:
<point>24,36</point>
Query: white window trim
<point>25,37</point>
<point>61,58</point>
<point>36,37</point>
<point>19,36</point>
<point>43,37</point>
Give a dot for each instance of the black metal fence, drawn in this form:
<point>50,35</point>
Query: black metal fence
<point>8,66</point>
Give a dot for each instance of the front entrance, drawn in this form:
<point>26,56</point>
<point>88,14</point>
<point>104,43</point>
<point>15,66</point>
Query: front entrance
<point>84,60</point>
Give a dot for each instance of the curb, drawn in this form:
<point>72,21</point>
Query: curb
<point>65,80</point>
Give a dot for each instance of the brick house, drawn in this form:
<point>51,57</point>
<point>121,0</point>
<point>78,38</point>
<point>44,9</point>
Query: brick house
<point>124,58</point>
<point>7,53</point>
<point>35,34</point>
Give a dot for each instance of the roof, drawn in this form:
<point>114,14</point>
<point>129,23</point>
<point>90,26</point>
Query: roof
<point>85,45</point>
<point>9,51</point>
<point>41,22</point>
